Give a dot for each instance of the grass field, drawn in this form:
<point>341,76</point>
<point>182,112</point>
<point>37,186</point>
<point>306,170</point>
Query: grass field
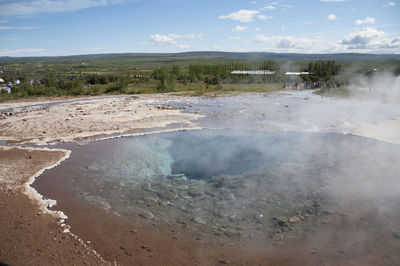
<point>135,73</point>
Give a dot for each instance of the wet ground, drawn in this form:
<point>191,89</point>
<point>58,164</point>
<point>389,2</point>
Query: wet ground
<point>298,111</point>
<point>230,196</point>
<point>274,182</point>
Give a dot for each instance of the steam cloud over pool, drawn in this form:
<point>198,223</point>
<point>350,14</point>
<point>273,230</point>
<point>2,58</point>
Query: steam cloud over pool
<point>240,187</point>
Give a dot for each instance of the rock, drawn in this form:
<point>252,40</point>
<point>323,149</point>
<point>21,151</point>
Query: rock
<point>396,235</point>
<point>194,192</point>
<point>198,220</point>
<point>224,262</point>
<point>147,248</point>
<point>280,221</point>
<point>177,176</point>
<point>166,194</point>
<point>258,217</point>
<point>182,187</point>
<point>316,204</point>
<point>227,194</point>
<point>146,214</point>
<point>294,219</point>
<point>229,233</point>
<point>147,186</point>
<point>166,203</point>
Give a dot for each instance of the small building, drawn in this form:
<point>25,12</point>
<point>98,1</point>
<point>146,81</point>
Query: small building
<point>252,72</point>
<point>297,73</point>
<point>17,82</point>
<point>1,81</point>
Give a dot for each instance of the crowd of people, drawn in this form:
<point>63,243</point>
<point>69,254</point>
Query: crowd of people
<point>311,85</point>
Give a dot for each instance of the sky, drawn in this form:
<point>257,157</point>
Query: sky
<point>74,27</point>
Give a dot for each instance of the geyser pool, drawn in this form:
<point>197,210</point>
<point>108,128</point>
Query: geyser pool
<point>230,186</point>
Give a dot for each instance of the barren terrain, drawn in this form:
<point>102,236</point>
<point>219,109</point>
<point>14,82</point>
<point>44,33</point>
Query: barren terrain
<point>31,236</point>
<point>46,122</point>
<point>27,235</point>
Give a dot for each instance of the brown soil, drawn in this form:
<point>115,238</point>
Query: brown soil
<point>27,236</point>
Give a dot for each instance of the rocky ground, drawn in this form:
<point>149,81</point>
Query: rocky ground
<point>184,221</point>
<point>49,122</point>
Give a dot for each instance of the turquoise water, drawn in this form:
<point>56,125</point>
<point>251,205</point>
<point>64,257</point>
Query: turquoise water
<point>220,175</point>
<point>234,187</point>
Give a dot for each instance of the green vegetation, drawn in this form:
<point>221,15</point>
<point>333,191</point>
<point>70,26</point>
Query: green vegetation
<point>195,73</point>
<point>322,70</point>
<point>227,67</point>
<point>334,92</point>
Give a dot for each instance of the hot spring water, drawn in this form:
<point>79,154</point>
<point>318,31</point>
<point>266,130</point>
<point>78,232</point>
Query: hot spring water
<point>235,185</point>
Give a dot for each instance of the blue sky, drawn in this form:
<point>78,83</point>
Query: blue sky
<point>71,27</point>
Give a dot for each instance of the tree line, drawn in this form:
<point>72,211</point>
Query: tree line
<point>165,79</point>
<point>228,66</point>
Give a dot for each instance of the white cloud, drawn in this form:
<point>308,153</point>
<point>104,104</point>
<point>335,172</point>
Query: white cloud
<point>173,39</point>
<point>371,40</point>
<point>284,7</point>
<point>191,36</point>
<point>367,20</point>
<point>32,7</point>
<point>331,17</point>
<point>333,0</point>
<point>364,38</point>
<point>269,7</point>
<point>257,29</point>
<point>242,15</point>
<point>295,44</point>
<point>235,38</point>
<point>21,52</point>
<point>367,40</point>
<point>17,28</point>
<point>389,4</point>
<point>264,17</point>
<point>162,40</point>
<point>240,28</point>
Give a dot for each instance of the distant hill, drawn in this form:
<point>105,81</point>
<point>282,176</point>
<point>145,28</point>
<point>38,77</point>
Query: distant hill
<point>354,57</point>
<point>296,57</point>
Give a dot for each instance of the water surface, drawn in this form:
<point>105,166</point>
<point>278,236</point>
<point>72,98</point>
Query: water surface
<point>236,189</point>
